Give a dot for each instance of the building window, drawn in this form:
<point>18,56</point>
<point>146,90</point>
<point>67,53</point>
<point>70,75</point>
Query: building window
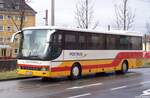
<point>25,18</point>
<point>8,17</point>
<point>16,51</point>
<point>9,28</point>
<point>1,5</point>
<point>3,52</point>
<point>1,28</point>
<point>17,18</point>
<point>1,17</point>
<point>1,39</point>
<point>17,6</point>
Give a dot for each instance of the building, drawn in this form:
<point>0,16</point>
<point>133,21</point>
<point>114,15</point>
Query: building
<point>14,15</point>
<point>146,43</point>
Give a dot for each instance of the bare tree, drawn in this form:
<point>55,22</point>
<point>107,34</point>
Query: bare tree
<point>124,15</point>
<point>148,27</point>
<point>22,13</point>
<point>20,7</point>
<point>84,14</point>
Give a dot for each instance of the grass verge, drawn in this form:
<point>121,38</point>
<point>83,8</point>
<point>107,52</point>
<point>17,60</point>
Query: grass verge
<point>146,63</point>
<point>10,75</point>
<point>146,66</point>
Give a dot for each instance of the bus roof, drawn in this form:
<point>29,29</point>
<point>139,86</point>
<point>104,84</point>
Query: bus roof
<point>114,32</point>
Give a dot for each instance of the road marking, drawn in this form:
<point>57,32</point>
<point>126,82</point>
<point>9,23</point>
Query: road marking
<point>145,82</point>
<point>85,86</point>
<point>77,96</point>
<point>117,88</point>
<point>146,92</point>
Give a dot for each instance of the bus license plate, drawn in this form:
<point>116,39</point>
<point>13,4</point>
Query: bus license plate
<point>29,73</point>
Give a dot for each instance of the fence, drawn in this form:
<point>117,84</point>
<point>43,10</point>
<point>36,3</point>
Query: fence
<point>8,65</point>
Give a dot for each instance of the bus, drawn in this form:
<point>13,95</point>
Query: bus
<point>62,52</point>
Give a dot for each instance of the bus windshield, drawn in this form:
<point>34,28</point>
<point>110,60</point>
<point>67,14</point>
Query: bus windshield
<point>33,43</point>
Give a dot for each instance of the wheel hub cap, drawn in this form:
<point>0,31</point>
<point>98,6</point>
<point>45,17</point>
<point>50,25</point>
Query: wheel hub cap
<point>75,71</point>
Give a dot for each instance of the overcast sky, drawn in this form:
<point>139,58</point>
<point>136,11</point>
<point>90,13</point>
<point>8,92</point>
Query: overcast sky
<point>103,12</point>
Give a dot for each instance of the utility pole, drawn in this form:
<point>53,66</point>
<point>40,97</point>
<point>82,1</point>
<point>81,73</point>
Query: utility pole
<point>46,18</point>
<point>145,39</point>
<point>87,8</point>
<point>125,14</point>
<point>108,27</point>
<point>52,12</point>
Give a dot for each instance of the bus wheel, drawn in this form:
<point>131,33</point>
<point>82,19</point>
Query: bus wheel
<point>75,72</point>
<point>124,68</point>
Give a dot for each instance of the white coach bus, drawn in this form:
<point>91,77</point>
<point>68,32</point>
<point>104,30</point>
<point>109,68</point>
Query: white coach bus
<point>56,52</point>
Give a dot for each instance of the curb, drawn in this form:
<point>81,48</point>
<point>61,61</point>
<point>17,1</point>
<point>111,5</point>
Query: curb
<point>145,66</point>
<point>21,78</point>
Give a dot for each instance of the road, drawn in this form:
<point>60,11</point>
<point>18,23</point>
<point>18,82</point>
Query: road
<point>135,84</point>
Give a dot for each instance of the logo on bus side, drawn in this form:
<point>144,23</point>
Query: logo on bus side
<point>77,54</point>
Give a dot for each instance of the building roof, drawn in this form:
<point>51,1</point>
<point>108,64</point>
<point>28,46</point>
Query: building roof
<point>113,32</point>
<point>15,5</point>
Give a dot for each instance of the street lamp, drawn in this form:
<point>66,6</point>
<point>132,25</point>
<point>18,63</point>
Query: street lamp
<point>52,12</point>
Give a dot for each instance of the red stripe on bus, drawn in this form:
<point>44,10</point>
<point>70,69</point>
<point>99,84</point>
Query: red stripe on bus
<point>33,66</point>
<point>57,69</point>
<point>123,55</point>
<point>115,62</point>
<point>85,67</point>
<point>147,55</point>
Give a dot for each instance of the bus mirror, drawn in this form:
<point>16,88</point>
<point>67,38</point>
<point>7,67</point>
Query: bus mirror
<point>14,35</point>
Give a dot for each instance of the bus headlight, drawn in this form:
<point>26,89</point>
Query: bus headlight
<point>43,69</point>
<point>19,67</point>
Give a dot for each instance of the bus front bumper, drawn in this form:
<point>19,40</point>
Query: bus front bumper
<point>33,73</point>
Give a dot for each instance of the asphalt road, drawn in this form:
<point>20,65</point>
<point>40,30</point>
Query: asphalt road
<point>135,84</point>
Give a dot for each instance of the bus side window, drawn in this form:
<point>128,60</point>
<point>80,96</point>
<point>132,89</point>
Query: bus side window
<point>98,41</point>
<point>56,45</point>
<point>70,41</point>
<point>88,41</point>
<point>57,39</point>
<point>111,41</point>
<point>136,43</point>
<point>125,43</point>
<point>81,41</point>
<point>94,42</point>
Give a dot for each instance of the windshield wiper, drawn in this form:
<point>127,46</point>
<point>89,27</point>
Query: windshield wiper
<point>34,56</point>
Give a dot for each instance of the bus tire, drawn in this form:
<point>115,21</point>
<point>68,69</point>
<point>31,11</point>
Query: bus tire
<point>124,68</point>
<point>75,72</point>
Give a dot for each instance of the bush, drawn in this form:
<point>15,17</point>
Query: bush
<point>7,65</point>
